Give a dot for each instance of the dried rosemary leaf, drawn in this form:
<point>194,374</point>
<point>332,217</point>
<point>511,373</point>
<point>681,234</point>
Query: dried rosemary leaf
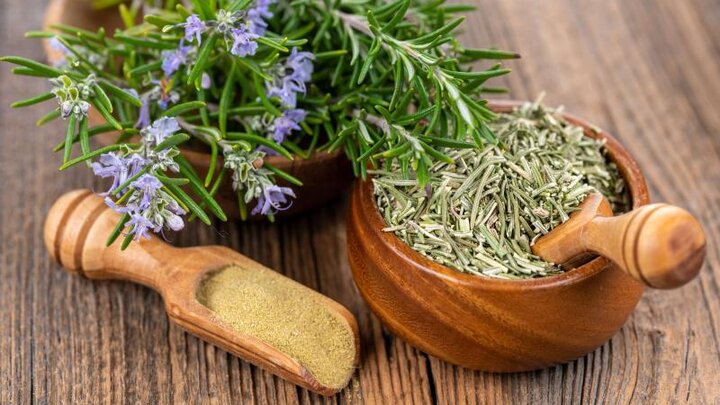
<point>482,213</point>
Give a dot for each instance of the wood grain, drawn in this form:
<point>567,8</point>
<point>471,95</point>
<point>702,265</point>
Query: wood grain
<point>645,71</point>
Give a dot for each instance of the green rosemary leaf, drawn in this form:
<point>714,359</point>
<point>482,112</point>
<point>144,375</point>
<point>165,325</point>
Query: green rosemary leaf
<point>495,90</point>
<point>146,68</point>
<point>320,34</point>
<point>396,151</point>
<point>185,199</point>
<point>108,117</point>
<point>32,101</point>
<point>160,21</point>
<point>69,135</point>
<point>203,55</point>
<point>23,71</point>
<point>126,241</point>
<point>121,94</point>
<point>272,44</point>
<point>101,129</point>
<point>484,75</point>
<point>202,7</point>
<point>144,43</point>
<point>226,98</point>
<point>283,175</point>
<point>213,190</point>
<point>102,97</point>
<point>177,181</point>
<point>369,152</point>
<point>445,29</point>
<point>436,154</point>
<point>408,119</point>
<point>40,34</point>
<point>180,109</point>
<point>242,205</point>
<point>213,163</point>
<point>118,229</point>
<point>202,193</point>
<point>458,8</point>
<point>255,68</point>
<point>184,13</point>
<point>238,5</point>
<point>32,65</point>
<point>397,17</point>
<point>127,15</point>
<point>295,149</point>
<point>204,114</point>
<point>259,140</point>
<point>172,141</point>
<point>263,97</point>
<point>74,31</point>
<point>447,142</point>
<point>186,169</point>
<point>489,54</point>
<point>84,137</point>
<point>96,152</point>
<point>51,116</point>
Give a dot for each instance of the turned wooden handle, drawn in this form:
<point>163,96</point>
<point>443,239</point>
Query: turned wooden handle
<point>660,245</point>
<point>76,231</point>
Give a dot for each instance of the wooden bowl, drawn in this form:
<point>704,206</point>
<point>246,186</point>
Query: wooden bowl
<point>485,323</point>
<point>325,176</point>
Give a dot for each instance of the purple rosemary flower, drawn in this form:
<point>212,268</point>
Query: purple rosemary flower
<point>119,167</point>
<point>147,185</point>
<point>273,199</point>
<point>194,27</point>
<point>288,122</point>
<point>243,42</point>
<point>58,46</point>
<point>160,130</point>
<point>144,110</point>
<point>139,225</point>
<point>173,59</point>
<point>257,15</point>
<point>294,73</point>
<point>301,64</point>
<point>286,91</point>
<point>171,215</point>
<point>205,81</point>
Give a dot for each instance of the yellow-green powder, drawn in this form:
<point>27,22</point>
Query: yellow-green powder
<point>284,314</point>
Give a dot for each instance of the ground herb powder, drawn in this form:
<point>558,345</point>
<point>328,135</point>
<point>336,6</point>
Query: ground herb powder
<point>278,311</point>
<point>482,213</point>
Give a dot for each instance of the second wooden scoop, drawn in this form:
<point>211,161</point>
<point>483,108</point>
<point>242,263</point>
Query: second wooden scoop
<point>660,245</point>
<point>75,233</point>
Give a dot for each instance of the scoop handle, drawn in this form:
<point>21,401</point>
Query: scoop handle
<point>76,231</point>
<point>660,245</point>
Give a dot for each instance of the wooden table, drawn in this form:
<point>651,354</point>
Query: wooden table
<point>647,71</point>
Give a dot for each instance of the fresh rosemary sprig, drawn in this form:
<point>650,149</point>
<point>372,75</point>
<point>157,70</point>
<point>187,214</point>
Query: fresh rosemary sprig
<point>244,79</point>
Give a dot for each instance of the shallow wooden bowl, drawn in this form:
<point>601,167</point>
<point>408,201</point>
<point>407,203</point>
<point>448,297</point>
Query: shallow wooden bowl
<point>485,323</point>
<point>325,176</point>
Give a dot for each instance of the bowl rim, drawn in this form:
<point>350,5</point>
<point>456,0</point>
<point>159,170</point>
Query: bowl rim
<point>616,152</point>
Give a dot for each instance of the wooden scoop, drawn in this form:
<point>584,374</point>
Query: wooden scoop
<point>660,245</point>
<point>75,233</point>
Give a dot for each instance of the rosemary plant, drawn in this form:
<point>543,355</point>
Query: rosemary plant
<point>482,213</point>
<point>243,79</point>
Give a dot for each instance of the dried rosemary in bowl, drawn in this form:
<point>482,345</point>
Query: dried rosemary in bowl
<point>482,213</point>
